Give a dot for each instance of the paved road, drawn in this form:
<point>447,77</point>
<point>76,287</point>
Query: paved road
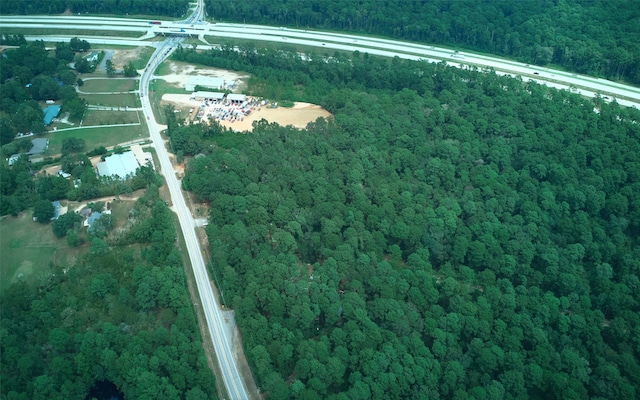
<point>220,336</point>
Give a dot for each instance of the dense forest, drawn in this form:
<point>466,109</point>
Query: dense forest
<point>595,37</point>
<point>120,314</point>
<point>170,8</point>
<point>447,234</point>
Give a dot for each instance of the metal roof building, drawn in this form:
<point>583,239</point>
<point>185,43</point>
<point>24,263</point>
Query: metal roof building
<point>201,95</point>
<point>120,165</point>
<point>204,81</point>
<point>236,98</point>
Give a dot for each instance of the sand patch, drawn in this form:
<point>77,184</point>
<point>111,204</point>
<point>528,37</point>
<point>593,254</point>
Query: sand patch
<point>123,57</point>
<point>180,72</point>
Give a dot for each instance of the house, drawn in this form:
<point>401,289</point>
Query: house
<point>92,218</point>
<point>38,146</point>
<point>92,57</point>
<point>203,81</point>
<point>85,212</point>
<point>122,165</point>
<point>50,113</point>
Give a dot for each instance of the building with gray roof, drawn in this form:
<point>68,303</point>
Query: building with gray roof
<point>38,146</point>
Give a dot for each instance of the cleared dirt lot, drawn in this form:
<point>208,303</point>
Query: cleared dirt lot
<point>299,116</point>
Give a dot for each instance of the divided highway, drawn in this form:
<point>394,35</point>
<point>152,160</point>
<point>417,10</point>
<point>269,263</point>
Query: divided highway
<point>625,95</point>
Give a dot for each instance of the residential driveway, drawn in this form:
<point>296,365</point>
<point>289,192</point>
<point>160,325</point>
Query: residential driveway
<point>107,56</point>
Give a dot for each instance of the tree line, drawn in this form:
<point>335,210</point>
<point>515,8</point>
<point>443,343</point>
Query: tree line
<point>447,234</point>
<point>600,38</point>
<point>170,8</point>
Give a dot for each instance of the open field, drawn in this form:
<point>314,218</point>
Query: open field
<point>96,137</point>
<point>157,89</point>
<point>111,117</point>
<point>111,100</point>
<point>28,247</point>
<point>108,85</point>
<point>142,57</point>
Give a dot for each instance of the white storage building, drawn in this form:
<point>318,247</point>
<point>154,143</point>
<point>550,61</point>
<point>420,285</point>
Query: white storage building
<point>204,81</point>
<point>210,96</point>
<point>121,165</point>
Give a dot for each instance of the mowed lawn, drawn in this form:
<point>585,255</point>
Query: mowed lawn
<point>111,100</point>
<point>96,137</point>
<point>28,247</point>
<point>108,85</point>
<point>93,117</point>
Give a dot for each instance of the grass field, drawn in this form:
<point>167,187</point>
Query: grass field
<point>95,137</point>
<point>28,247</point>
<point>143,57</point>
<point>108,85</point>
<point>113,100</point>
<point>157,89</point>
<point>110,117</point>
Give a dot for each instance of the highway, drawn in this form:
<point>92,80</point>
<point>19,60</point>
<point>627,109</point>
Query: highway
<point>625,95</point>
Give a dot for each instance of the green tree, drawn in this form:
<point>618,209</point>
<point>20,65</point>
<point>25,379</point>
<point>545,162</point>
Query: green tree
<point>72,145</point>
<point>43,211</point>
<point>129,70</point>
<point>111,70</point>
<point>65,223</point>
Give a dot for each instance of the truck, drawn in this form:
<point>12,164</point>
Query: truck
<point>155,23</point>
